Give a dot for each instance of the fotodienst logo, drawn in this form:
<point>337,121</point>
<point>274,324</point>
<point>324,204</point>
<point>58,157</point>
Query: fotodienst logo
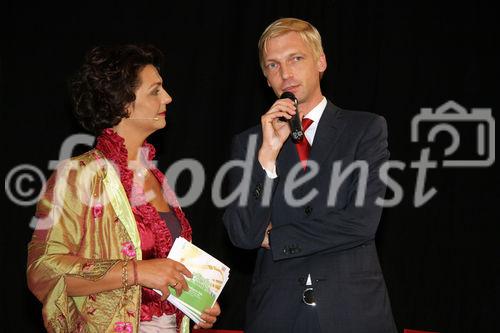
<point>468,138</point>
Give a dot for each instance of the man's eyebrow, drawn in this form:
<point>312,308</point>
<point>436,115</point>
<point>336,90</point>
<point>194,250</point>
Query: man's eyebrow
<point>288,56</point>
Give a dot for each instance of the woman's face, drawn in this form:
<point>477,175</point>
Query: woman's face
<point>149,109</point>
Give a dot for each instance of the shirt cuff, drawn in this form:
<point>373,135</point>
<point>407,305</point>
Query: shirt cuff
<point>271,173</point>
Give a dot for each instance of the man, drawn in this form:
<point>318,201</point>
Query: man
<point>317,268</point>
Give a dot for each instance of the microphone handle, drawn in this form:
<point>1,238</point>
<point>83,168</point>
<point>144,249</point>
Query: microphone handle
<point>296,126</point>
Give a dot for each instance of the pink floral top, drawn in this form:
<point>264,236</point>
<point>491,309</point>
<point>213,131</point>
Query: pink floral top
<point>156,240</point>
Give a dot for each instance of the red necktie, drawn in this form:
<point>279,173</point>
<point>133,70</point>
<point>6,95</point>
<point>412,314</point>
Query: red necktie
<point>303,147</point>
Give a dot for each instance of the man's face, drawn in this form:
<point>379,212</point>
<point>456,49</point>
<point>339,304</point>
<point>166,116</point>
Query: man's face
<point>290,65</point>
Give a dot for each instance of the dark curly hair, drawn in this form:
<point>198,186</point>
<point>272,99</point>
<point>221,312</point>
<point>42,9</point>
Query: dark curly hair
<point>107,81</point>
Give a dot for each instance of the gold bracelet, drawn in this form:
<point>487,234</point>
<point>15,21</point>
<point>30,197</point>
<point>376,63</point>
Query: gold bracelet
<point>125,275</point>
<point>134,263</point>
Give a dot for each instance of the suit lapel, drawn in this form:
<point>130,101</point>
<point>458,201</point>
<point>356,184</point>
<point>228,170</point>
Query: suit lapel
<point>331,125</point>
<point>288,157</point>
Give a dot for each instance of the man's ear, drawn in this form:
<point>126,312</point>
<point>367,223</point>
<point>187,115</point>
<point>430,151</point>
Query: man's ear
<point>321,63</point>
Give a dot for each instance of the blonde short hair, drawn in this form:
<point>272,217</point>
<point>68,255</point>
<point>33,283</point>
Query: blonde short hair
<point>306,30</point>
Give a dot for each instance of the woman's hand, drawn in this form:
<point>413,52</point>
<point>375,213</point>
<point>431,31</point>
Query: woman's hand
<point>162,273</point>
<point>209,316</point>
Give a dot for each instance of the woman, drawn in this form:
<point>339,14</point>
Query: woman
<point>108,218</point>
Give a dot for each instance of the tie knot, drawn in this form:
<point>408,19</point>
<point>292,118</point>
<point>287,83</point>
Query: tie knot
<point>306,122</point>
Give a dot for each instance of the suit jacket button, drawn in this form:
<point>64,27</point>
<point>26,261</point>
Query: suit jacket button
<point>308,210</point>
<point>257,191</point>
<point>285,250</point>
<point>256,194</point>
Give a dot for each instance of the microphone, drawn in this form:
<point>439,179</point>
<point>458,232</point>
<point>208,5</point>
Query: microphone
<point>294,122</point>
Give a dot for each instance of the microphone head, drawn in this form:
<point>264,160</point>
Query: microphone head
<point>288,95</point>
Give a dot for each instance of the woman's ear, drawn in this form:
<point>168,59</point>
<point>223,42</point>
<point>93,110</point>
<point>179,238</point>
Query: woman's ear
<point>129,108</point>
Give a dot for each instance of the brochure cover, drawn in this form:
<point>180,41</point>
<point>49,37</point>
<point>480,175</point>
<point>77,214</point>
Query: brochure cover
<point>209,278</point>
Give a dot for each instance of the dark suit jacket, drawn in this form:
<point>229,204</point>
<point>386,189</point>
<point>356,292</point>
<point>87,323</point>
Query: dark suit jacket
<point>334,243</point>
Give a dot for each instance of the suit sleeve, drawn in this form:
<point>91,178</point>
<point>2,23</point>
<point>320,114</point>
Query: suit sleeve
<point>340,229</point>
<point>247,217</point>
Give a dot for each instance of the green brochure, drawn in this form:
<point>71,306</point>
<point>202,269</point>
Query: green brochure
<point>209,277</point>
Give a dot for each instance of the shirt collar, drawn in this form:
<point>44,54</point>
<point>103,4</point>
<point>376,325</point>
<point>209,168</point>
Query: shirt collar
<point>317,111</point>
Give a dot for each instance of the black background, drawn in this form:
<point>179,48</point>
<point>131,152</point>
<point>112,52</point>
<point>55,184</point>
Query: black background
<point>392,58</point>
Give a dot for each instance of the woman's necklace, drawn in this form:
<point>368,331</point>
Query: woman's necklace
<point>142,172</point>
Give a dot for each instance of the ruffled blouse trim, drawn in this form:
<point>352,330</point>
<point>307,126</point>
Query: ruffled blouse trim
<point>113,148</point>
